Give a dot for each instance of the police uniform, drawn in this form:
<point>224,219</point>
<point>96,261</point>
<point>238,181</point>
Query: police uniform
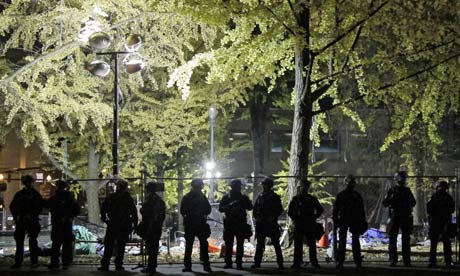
<point>400,201</point>
<point>153,213</point>
<point>119,212</point>
<point>440,209</point>
<point>195,208</point>
<point>234,205</point>
<point>267,209</point>
<point>26,207</point>
<point>304,209</point>
<point>63,208</point>
<point>348,214</point>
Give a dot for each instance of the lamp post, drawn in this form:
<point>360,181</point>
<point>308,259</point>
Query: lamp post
<point>211,166</point>
<point>133,63</point>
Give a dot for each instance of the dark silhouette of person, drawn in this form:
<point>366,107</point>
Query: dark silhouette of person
<point>195,209</point>
<point>348,215</point>
<point>304,209</point>
<point>234,204</point>
<point>267,209</point>
<point>63,208</point>
<point>119,212</point>
<point>26,207</point>
<point>400,202</point>
<point>440,209</point>
<point>153,213</point>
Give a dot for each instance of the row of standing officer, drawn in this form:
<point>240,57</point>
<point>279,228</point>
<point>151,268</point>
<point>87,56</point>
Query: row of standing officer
<point>26,207</point>
<point>119,213</point>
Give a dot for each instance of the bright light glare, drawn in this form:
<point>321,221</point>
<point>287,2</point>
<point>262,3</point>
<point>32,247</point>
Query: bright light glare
<point>208,174</point>
<point>48,178</point>
<point>1,177</point>
<point>210,165</point>
<point>218,174</point>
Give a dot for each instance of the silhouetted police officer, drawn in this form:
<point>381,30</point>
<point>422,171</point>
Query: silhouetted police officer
<point>348,214</point>
<point>234,205</point>
<point>153,213</point>
<point>195,208</point>
<point>440,209</point>
<point>267,209</point>
<point>26,206</point>
<point>63,208</point>
<point>304,209</point>
<point>119,212</point>
<point>400,201</point>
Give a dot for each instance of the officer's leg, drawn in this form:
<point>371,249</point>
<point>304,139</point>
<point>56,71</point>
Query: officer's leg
<point>152,249</point>
<point>122,239</point>
<point>55,251</point>
<point>447,246</point>
<point>406,229</point>
<point>204,256</point>
<point>393,235</point>
<point>356,247</point>
<point>298,247</point>
<point>19,235</point>
<point>67,252</point>
<point>228,239</point>
<point>239,250</point>
<point>109,241</point>
<point>260,248</point>
<point>279,254</point>
<point>33,231</point>
<point>342,245</point>
<point>189,238</point>
<point>312,250</point>
<point>434,237</point>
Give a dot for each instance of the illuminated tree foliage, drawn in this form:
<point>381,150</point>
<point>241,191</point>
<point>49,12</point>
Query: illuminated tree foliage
<point>386,52</point>
<point>48,97</point>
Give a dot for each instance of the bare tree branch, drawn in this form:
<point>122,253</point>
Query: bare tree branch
<point>356,25</point>
<point>279,20</point>
<point>386,86</point>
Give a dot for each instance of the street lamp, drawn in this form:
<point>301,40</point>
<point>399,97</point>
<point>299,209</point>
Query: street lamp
<point>133,63</point>
<point>211,165</point>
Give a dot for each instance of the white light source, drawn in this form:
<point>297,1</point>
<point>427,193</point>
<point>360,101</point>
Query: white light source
<point>133,43</point>
<point>212,113</point>
<point>99,68</point>
<point>100,40</point>
<point>1,176</point>
<point>48,178</point>
<point>208,174</point>
<point>218,174</point>
<point>210,165</point>
<point>133,63</point>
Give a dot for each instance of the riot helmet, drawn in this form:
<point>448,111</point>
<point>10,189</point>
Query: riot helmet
<point>349,181</point>
<point>442,185</point>
<point>400,177</point>
<point>197,184</point>
<point>121,184</point>
<point>236,184</point>
<point>27,180</point>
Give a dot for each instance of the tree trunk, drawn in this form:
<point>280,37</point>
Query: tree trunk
<point>259,108</point>
<point>300,144</point>
<point>92,187</point>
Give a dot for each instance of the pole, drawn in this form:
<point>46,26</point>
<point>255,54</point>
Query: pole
<point>211,182</point>
<point>115,117</point>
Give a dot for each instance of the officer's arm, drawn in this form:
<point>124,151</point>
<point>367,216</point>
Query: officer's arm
<point>184,206</point>
<point>430,206</point>
<point>411,198</point>
<point>291,212</point>
<point>14,206</point>
<point>161,211</point>
<point>104,210</point>
<point>387,201</point>
<point>134,218</point>
<point>278,206</point>
<point>335,210</point>
<point>451,205</point>
<point>207,209</point>
<point>224,204</point>
<point>248,203</point>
